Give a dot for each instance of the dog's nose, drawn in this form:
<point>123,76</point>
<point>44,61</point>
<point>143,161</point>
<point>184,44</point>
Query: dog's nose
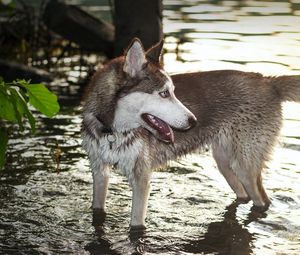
<point>192,121</point>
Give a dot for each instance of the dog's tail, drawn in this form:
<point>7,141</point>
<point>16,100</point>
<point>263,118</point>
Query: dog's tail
<point>288,87</point>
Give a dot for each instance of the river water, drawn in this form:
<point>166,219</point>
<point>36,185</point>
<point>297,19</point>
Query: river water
<point>45,207</point>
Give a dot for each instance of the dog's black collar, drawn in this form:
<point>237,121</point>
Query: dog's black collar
<point>105,129</point>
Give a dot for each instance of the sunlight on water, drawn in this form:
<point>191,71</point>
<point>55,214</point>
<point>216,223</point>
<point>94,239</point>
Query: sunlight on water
<point>222,37</point>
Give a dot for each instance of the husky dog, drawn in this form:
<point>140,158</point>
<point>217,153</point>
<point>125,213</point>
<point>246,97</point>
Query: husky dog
<point>133,120</point>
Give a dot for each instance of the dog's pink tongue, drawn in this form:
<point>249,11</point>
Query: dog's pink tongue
<point>164,130</point>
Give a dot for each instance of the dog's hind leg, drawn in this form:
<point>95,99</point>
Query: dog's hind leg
<point>262,191</point>
<point>223,163</point>
<point>248,167</point>
<point>252,183</point>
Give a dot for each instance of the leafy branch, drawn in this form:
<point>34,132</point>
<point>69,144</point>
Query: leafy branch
<point>15,98</point>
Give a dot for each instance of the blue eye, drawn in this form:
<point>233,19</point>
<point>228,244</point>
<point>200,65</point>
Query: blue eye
<point>164,94</point>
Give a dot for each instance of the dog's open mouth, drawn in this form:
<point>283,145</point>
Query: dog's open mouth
<point>164,131</point>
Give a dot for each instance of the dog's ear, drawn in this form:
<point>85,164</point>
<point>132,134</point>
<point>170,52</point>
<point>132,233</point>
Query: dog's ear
<point>155,52</point>
<point>134,58</point>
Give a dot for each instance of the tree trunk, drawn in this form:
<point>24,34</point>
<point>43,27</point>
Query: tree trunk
<point>137,18</point>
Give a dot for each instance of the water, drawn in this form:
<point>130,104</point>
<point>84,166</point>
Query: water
<point>45,208</point>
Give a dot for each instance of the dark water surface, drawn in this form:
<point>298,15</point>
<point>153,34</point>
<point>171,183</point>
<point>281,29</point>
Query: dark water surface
<point>46,210</point>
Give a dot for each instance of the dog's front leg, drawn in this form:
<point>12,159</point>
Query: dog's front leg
<point>100,185</point>
<point>140,189</point>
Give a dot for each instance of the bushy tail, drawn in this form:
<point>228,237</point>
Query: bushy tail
<point>288,87</point>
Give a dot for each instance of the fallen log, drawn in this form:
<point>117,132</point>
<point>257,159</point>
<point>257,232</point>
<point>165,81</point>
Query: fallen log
<point>10,71</point>
<point>74,24</point>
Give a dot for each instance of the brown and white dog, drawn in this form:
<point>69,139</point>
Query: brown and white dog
<point>133,120</point>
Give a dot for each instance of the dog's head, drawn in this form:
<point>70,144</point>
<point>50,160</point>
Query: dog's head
<point>146,96</point>
<point>134,91</point>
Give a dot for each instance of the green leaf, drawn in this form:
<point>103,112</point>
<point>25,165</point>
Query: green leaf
<point>42,99</point>
<point>31,120</point>
<point>3,145</point>
<point>7,110</point>
<point>22,108</point>
<point>19,111</point>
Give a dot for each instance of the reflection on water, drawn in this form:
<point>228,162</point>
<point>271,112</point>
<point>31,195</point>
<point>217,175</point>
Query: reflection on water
<point>45,210</point>
<point>245,35</point>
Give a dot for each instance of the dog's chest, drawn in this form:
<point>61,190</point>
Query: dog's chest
<point>121,150</point>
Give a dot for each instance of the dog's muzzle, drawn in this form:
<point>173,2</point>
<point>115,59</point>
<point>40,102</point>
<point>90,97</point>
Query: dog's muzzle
<point>164,131</point>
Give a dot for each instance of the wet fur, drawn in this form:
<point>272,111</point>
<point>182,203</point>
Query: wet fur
<point>239,115</point>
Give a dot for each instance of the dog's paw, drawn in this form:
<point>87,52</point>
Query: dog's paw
<point>136,232</point>
<point>137,228</point>
<point>99,216</point>
<point>242,200</point>
<point>260,209</point>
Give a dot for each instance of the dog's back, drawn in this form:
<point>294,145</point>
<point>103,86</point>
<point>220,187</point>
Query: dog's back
<point>229,99</point>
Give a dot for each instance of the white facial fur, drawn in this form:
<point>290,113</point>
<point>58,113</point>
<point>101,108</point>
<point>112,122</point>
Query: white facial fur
<point>171,110</point>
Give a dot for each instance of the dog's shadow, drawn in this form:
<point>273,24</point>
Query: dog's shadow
<point>229,236</point>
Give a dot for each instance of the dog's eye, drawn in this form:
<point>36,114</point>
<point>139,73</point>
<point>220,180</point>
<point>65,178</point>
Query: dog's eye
<point>164,94</point>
